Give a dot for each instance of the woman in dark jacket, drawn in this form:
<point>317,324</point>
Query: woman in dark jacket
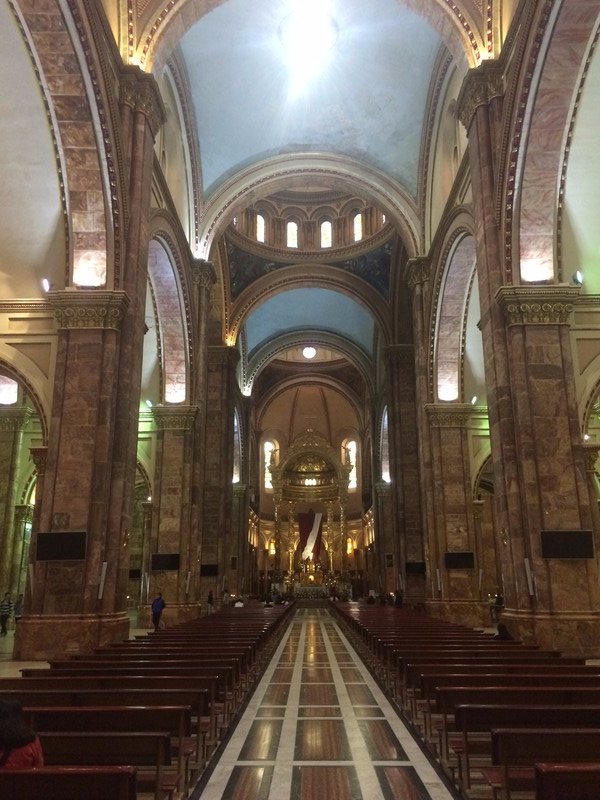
<point>20,748</point>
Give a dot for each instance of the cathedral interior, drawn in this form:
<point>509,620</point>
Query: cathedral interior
<point>269,259</point>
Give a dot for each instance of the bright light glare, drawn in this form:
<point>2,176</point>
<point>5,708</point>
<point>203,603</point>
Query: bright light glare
<point>308,35</point>
<point>309,352</point>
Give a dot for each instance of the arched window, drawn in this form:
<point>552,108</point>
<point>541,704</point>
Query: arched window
<point>9,391</point>
<point>270,459</point>
<point>237,449</point>
<point>292,234</point>
<point>260,228</point>
<point>384,445</point>
<point>349,453</point>
<point>326,234</point>
<point>358,227</point>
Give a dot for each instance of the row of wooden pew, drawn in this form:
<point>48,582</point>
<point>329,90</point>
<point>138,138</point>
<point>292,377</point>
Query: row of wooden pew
<point>499,717</point>
<point>140,720</point>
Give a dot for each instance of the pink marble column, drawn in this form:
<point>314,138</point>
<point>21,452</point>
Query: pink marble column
<point>64,595</point>
<point>539,473</point>
<point>171,529</point>
<point>453,530</point>
<point>417,273</point>
<point>404,538</point>
<point>218,542</point>
<point>12,423</point>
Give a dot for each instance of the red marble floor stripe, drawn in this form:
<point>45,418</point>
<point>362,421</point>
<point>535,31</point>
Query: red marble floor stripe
<point>368,711</point>
<point>272,712</point>
<point>321,740</point>
<point>318,694</point>
<point>276,694</point>
<point>249,783</point>
<point>351,674</point>
<point>320,711</point>
<point>360,694</point>
<point>381,740</point>
<point>317,675</point>
<point>401,783</point>
<point>329,783</point>
<point>262,740</point>
<point>283,675</point>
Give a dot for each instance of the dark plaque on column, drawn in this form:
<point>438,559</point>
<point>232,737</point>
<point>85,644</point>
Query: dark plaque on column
<point>567,544</point>
<point>61,546</point>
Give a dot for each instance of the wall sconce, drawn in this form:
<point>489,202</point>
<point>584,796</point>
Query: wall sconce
<point>577,277</point>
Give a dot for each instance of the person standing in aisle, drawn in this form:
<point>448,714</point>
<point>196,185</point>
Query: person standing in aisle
<point>158,606</point>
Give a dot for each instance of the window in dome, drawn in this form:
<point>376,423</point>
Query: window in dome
<point>358,231</point>
<point>292,234</point>
<point>326,234</point>
<point>260,228</point>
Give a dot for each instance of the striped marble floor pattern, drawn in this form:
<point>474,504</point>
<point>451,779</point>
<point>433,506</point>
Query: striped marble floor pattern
<point>319,727</point>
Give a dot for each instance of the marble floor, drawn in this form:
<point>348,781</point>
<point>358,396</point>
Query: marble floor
<point>318,727</point>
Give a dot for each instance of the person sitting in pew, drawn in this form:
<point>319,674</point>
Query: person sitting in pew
<point>20,747</point>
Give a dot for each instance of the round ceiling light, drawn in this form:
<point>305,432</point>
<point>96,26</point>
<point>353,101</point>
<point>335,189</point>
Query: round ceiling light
<point>309,352</point>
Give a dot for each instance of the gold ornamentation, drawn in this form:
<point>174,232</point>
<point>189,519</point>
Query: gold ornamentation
<point>140,92</point>
<point>14,419</point>
<point>88,308</point>
<point>590,452</point>
<point>449,415</point>
<point>203,274</point>
<point>174,418</point>
<point>480,86</point>
<point>537,305</point>
<point>418,271</point>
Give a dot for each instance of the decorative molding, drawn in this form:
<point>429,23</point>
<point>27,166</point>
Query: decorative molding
<point>590,452</point>
<point>39,456</point>
<point>204,274</point>
<point>15,419</point>
<point>174,418</point>
<point>88,308</point>
<point>449,415</point>
<point>418,271</point>
<point>537,305</point>
<point>140,92</point>
<point>481,85</point>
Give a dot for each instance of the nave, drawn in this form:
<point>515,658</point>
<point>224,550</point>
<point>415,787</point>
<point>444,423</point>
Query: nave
<point>319,726</point>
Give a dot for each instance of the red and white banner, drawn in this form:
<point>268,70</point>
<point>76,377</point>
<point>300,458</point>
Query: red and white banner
<point>310,534</point>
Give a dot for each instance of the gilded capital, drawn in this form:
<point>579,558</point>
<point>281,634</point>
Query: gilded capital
<point>418,271</point>
<point>203,274</point>
<point>39,456</point>
<point>14,419</point>
<point>174,418</point>
<point>140,92</point>
<point>480,85</point>
<point>590,452</point>
<point>449,415</point>
<point>88,308</point>
<point>537,305</point>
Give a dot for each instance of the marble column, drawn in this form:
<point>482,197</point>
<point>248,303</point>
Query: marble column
<point>404,537</point>
<point>12,424</point>
<point>539,473</point>
<point>18,576</point>
<point>418,272</point>
<point>383,544</point>
<point>204,278</point>
<point>171,530</point>
<point>74,493</point>
<point>453,529</point>
<point>217,542</point>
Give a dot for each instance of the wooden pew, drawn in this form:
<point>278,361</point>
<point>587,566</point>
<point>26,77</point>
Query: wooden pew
<point>95,719</point>
<point>69,783</point>
<point>515,751</point>
<point>152,750</point>
<point>567,781</point>
<point>473,725</point>
<point>198,700</point>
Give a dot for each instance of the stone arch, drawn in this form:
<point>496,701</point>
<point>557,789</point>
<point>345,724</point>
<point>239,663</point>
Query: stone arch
<point>71,80</point>
<point>312,276</point>
<point>260,359</point>
<point>452,299</point>
<point>14,368</point>
<point>544,127</point>
<point>332,172</point>
<point>457,25</point>
<point>172,322</point>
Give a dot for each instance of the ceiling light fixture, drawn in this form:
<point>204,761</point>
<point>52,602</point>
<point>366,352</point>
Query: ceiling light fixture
<point>309,352</point>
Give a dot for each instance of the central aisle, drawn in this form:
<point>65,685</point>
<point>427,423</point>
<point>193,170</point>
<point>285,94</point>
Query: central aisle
<point>318,727</point>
